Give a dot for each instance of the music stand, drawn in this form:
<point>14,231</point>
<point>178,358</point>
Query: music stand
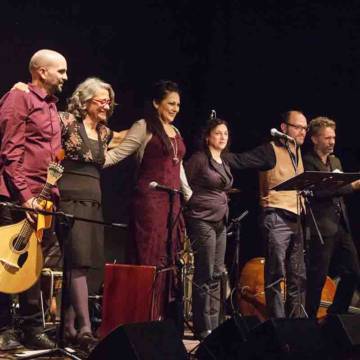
<point>67,220</point>
<point>309,181</point>
<point>317,180</point>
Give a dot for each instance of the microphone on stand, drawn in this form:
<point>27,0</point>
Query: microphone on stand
<point>213,115</point>
<point>156,186</point>
<point>279,135</point>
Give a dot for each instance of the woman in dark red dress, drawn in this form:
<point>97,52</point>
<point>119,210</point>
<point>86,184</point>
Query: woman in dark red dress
<point>160,150</point>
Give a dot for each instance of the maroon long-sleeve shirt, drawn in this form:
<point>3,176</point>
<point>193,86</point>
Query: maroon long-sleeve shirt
<point>30,138</point>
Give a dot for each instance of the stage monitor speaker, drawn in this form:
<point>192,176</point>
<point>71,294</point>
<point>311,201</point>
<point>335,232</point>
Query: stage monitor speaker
<point>343,333</point>
<point>293,339</point>
<point>225,341</point>
<point>128,294</point>
<point>155,340</point>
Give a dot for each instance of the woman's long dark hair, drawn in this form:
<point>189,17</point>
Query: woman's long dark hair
<point>154,125</point>
<point>210,126</point>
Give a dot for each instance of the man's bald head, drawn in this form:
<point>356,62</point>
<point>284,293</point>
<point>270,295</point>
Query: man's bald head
<point>44,57</point>
<point>48,70</point>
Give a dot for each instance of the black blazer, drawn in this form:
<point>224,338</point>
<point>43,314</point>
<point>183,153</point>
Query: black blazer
<point>210,182</point>
<point>326,204</point>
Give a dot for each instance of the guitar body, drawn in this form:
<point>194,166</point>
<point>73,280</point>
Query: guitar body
<point>21,262</point>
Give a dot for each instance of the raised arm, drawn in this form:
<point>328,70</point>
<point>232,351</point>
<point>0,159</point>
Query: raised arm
<point>117,138</point>
<point>262,158</point>
<point>134,139</point>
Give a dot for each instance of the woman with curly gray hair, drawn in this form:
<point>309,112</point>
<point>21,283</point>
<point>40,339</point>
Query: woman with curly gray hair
<point>85,139</point>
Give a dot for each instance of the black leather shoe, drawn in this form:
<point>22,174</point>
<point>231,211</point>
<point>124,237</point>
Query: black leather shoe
<point>9,340</point>
<point>37,340</point>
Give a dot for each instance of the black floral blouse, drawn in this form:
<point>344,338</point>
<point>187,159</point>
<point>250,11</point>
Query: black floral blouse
<point>76,144</point>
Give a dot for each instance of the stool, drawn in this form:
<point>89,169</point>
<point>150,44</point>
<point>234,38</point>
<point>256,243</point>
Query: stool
<point>52,291</point>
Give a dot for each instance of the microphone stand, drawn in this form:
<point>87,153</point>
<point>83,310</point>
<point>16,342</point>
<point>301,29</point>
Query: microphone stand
<point>243,328</point>
<point>307,194</point>
<point>236,224</point>
<point>176,263</point>
<point>294,161</point>
<point>171,264</point>
<point>66,221</point>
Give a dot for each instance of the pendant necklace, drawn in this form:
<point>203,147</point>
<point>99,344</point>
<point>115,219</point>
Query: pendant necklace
<point>175,150</point>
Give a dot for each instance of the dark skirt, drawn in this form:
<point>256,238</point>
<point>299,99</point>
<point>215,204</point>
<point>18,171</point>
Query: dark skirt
<point>85,240</point>
<point>81,197</point>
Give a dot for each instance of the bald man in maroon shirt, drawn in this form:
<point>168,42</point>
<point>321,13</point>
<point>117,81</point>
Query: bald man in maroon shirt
<point>30,138</point>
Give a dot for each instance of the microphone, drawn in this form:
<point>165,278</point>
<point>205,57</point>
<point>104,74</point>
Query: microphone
<point>277,134</point>
<point>156,186</point>
<point>213,115</point>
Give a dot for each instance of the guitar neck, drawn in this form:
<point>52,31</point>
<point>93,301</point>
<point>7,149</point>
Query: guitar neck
<point>28,228</point>
<point>46,192</point>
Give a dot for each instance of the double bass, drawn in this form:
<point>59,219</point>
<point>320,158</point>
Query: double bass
<point>251,293</point>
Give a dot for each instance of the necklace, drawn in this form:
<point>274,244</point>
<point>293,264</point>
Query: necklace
<point>175,150</point>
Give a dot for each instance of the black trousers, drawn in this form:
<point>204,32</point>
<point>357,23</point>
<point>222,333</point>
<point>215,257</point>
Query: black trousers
<point>339,248</point>
<point>30,314</point>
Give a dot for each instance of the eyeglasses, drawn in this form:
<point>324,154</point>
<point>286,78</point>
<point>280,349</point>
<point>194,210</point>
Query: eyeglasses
<point>102,102</point>
<point>299,127</point>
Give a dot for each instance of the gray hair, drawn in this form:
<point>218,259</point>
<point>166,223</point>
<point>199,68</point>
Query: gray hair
<point>319,123</point>
<point>84,92</point>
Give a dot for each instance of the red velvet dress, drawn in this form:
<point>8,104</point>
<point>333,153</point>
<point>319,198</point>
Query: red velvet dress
<point>149,220</point>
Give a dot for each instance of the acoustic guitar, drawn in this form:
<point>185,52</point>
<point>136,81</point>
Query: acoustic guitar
<point>21,258</point>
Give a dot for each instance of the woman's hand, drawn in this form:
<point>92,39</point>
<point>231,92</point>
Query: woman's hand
<point>118,137</point>
<point>21,86</point>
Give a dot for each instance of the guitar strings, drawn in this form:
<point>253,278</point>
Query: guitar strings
<point>27,228</point>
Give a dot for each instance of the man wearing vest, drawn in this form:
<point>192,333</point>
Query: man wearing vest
<point>279,161</point>
<point>330,214</point>
<point>281,226</point>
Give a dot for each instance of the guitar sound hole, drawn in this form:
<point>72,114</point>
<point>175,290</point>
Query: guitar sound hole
<point>19,243</point>
<point>22,258</point>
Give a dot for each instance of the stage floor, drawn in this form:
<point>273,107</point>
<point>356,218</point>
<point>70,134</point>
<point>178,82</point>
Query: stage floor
<point>188,340</point>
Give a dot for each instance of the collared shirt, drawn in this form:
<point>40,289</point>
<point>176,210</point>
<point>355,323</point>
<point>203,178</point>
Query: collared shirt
<point>30,138</point>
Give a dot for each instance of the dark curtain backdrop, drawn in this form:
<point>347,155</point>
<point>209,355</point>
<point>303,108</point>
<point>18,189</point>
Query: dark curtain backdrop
<point>248,60</point>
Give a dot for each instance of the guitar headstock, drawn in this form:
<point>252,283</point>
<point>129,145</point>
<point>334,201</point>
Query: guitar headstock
<point>54,173</point>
